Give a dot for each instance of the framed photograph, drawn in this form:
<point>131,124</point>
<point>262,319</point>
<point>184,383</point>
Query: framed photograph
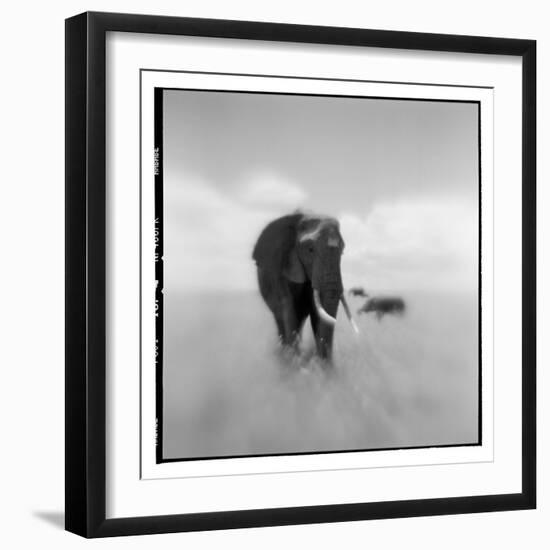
<point>300,274</point>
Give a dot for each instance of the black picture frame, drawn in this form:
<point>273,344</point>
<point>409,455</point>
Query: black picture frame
<point>86,277</point>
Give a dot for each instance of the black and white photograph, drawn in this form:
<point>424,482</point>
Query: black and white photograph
<point>300,278</point>
<point>318,273</point>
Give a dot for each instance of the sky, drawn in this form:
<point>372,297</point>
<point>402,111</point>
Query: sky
<point>401,176</point>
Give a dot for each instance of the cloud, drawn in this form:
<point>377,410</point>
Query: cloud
<point>209,235</point>
<point>265,190</point>
<point>413,244</point>
<point>406,244</point>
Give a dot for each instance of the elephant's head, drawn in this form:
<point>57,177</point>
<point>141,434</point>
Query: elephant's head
<point>315,257</point>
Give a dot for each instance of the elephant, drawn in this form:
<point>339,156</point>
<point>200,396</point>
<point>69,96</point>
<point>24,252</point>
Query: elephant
<point>358,291</point>
<point>382,305</point>
<point>298,268</point>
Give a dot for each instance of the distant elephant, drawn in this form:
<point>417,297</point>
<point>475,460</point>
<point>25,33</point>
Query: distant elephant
<point>298,262</point>
<point>382,305</point>
<point>358,291</point>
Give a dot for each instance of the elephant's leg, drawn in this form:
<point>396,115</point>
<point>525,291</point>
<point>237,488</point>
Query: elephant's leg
<point>294,310</point>
<point>325,338</point>
<point>314,319</point>
<point>271,293</point>
<point>286,302</point>
<point>299,308</point>
<point>291,321</point>
<point>280,327</point>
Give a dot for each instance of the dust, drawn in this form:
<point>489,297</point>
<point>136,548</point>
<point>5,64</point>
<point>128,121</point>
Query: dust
<point>404,381</point>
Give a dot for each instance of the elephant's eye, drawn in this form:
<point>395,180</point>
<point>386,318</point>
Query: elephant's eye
<point>308,247</point>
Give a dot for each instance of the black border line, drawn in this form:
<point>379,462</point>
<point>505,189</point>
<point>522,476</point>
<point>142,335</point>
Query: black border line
<point>160,459</point>
<point>479,284</point>
<point>159,268</point>
<point>338,96</point>
<point>330,452</point>
<point>85,365</point>
<point>321,78</point>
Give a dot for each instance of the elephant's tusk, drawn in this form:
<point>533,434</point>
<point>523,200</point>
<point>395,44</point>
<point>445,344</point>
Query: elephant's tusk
<point>320,311</point>
<point>348,313</point>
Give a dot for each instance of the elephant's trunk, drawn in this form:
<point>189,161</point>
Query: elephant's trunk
<point>327,284</point>
<point>327,290</point>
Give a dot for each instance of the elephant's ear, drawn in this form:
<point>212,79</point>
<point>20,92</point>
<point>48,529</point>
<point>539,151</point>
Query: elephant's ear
<point>275,249</point>
<point>294,270</point>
